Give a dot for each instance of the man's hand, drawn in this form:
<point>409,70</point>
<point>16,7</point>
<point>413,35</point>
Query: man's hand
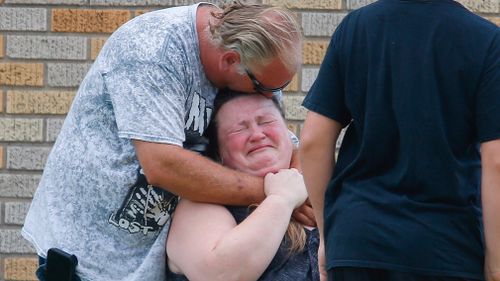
<point>304,214</point>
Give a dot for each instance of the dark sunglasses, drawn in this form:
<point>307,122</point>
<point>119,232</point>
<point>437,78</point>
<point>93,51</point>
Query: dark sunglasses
<point>257,86</point>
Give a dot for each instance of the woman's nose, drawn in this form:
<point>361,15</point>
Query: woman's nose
<point>257,133</point>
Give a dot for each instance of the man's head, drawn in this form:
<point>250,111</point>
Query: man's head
<point>259,47</point>
<point>249,134</point>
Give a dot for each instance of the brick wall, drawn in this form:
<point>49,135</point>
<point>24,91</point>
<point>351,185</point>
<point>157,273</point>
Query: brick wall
<point>46,47</point>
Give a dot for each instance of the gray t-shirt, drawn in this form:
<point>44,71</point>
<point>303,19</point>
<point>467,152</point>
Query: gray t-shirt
<point>147,84</point>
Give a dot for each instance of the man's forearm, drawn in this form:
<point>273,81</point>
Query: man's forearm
<point>317,170</point>
<point>317,155</point>
<point>490,193</point>
<point>195,177</point>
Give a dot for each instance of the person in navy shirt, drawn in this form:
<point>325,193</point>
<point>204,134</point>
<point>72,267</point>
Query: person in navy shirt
<point>417,84</point>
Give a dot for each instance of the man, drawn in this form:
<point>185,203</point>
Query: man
<point>418,83</point>
<point>142,107</point>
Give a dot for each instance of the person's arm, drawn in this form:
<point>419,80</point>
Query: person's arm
<point>204,242</point>
<point>295,161</point>
<point>195,177</point>
<point>317,154</point>
<point>303,214</point>
<point>490,194</point>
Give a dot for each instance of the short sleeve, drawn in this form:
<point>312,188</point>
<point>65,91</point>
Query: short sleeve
<point>488,95</point>
<point>148,102</point>
<point>326,95</point>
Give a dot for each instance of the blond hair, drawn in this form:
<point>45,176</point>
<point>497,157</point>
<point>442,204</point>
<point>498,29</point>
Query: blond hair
<point>258,33</point>
<point>296,236</point>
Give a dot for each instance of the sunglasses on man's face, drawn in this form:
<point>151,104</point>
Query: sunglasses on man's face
<point>257,86</point>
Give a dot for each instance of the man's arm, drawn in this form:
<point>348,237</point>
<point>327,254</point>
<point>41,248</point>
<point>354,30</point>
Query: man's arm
<point>303,214</point>
<point>490,194</point>
<point>195,177</point>
<point>317,155</point>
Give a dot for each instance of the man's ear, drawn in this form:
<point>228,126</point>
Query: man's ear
<point>229,60</point>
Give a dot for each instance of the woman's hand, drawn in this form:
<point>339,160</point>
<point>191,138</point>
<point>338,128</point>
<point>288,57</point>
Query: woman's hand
<point>288,184</point>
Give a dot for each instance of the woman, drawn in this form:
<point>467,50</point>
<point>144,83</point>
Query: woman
<point>214,242</point>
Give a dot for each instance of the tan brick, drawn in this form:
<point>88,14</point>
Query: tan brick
<point>96,46</point>
<point>306,4</point>
<point>1,46</point>
<point>293,86</point>
<point>481,6</point>
<point>20,269</point>
<point>495,20</point>
<point>313,52</point>
<point>2,162</point>
<point>76,20</point>
<point>21,74</point>
<point>1,101</point>
<point>39,102</point>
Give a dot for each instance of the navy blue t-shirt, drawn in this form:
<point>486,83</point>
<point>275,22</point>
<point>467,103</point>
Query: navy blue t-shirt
<point>418,83</point>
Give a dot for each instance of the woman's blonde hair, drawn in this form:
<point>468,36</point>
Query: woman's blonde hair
<point>295,236</point>
<point>258,33</point>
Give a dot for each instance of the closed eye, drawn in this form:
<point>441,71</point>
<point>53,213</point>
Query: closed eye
<point>266,121</point>
<point>238,129</point>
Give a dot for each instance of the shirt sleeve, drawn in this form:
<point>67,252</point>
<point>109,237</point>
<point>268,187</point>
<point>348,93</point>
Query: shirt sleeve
<point>327,95</point>
<point>148,101</point>
<point>488,95</point>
